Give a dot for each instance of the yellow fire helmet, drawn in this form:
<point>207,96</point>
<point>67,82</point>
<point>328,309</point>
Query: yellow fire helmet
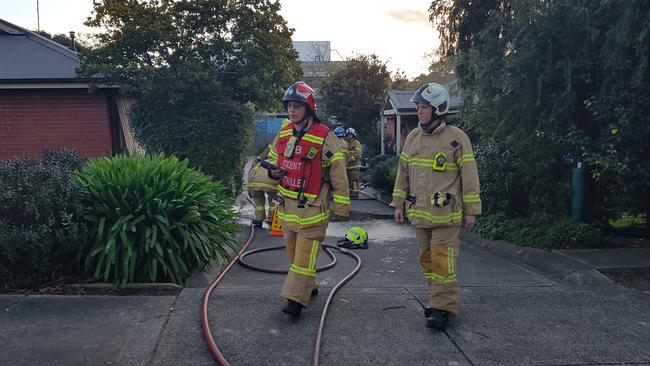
<point>355,238</point>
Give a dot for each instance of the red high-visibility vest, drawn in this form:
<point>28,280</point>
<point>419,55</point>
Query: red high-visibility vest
<point>304,171</point>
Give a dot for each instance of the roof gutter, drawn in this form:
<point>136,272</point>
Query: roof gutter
<point>51,83</point>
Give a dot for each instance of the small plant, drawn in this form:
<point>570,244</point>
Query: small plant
<point>152,219</point>
<point>540,231</point>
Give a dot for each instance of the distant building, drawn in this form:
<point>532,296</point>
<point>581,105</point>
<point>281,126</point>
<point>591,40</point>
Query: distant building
<point>315,60</point>
<point>398,113</point>
<point>44,105</point>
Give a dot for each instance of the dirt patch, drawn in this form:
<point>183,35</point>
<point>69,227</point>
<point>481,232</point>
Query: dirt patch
<point>638,279</point>
<point>69,287</point>
<point>614,242</point>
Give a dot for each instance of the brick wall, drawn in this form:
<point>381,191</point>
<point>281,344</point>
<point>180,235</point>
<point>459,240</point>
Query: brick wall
<point>31,121</point>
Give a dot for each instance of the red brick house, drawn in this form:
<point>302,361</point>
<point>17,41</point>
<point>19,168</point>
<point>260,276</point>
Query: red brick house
<point>44,105</point>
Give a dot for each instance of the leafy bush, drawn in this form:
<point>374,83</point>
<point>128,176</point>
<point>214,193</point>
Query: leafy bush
<point>383,173</point>
<point>153,219</point>
<point>378,159</point>
<point>214,134</point>
<point>39,230</point>
<point>539,231</point>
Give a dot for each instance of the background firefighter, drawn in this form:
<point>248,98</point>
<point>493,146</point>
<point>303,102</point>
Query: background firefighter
<point>313,166</point>
<point>437,180</point>
<point>260,184</point>
<point>354,161</point>
<point>340,133</point>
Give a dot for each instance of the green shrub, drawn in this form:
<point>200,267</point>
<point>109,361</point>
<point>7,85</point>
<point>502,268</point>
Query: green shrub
<point>383,173</point>
<point>215,133</point>
<point>153,219</point>
<point>39,230</point>
<point>378,159</point>
<point>539,231</point>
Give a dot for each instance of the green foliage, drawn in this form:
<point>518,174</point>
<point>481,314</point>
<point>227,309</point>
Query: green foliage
<point>153,219</point>
<point>383,171</point>
<point>244,47</point>
<point>354,94</point>
<point>39,231</point>
<point>540,231</point>
<point>200,68</point>
<point>554,83</point>
<point>214,134</point>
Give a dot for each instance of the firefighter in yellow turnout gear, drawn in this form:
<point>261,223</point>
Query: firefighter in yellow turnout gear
<point>260,184</point>
<point>437,185</point>
<point>353,161</point>
<point>311,167</point>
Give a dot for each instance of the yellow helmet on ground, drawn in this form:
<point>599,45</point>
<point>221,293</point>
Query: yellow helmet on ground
<point>355,238</point>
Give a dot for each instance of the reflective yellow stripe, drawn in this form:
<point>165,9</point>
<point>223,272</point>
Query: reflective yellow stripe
<point>285,133</point>
<point>262,185</point>
<point>303,220</point>
<point>273,154</point>
<point>337,156</point>
<point>450,260</point>
<point>302,271</point>
<point>356,166</point>
<point>259,208</point>
<point>314,139</point>
<point>404,156</point>
<point>470,198</point>
<point>312,256</point>
<point>344,200</point>
<point>439,278</point>
<point>292,194</point>
<point>435,219</point>
<point>399,193</point>
<point>466,158</point>
<point>429,163</point>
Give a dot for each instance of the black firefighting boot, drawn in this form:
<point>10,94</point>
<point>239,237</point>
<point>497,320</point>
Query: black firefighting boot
<point>257,223</point>
<point>436,318</point>
<point>292,308</point>
<point>314,292</point>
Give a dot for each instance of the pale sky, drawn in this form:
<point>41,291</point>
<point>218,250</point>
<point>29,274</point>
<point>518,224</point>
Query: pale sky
<point>399,32</point>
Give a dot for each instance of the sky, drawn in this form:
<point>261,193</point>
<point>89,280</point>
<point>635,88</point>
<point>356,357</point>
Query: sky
<point>399,32</point>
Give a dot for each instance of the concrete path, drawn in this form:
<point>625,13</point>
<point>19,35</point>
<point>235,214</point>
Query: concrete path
<point>519,307</point>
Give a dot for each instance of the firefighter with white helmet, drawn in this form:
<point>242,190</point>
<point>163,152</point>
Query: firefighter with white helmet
<point>437,187</point>
<point>311,167</point>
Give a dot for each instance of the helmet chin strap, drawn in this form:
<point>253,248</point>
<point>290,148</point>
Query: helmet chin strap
<point>302,131</point>
<point>429,126</point>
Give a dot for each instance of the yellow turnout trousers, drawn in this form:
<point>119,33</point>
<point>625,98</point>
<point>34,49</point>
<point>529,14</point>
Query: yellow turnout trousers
<point>438,255</point>
<point>259,200</point>
<point>353,180</point>
<point>303,247</point>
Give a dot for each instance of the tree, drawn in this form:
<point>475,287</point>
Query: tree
<point>215,55</point>
<point>554,83</point>
<point>354,94</point>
